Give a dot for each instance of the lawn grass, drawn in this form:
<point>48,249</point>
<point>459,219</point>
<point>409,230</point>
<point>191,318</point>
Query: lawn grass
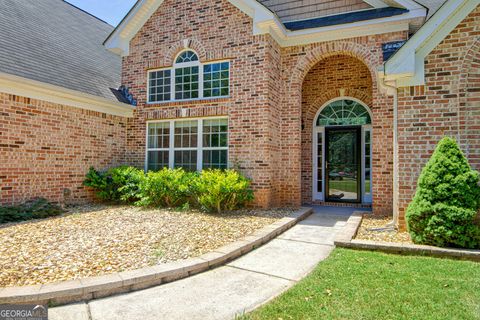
<point>370,285</point>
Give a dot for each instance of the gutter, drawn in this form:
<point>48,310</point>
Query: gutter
<point>20,86</point>
<point>393,90</point>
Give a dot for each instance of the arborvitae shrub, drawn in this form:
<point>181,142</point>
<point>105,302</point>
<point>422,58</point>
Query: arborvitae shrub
<point>447,200</point>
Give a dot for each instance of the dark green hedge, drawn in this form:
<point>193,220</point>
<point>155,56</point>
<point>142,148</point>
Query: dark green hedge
<point>447,200</point>
<point>35,209</point>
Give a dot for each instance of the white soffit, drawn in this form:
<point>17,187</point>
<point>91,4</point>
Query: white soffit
<point>24,87</point>
<point>407,66</point>
<point>266,22</point>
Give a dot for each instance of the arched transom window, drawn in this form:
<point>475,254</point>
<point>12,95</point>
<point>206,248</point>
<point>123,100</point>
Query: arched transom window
<point>186,56</point>
<point>189,79</point>
<point>344,113</point>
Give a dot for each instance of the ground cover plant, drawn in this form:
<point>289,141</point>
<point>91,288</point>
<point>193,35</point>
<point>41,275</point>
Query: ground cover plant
<point>371,285</point>
<point>447,200</point>
<point>34,209</point>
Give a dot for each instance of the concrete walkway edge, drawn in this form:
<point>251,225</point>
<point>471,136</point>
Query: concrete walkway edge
<point>225,292</point>
<point>120,282</point>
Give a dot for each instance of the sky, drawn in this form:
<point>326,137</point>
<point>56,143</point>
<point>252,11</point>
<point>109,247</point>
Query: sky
<point>111,11</point>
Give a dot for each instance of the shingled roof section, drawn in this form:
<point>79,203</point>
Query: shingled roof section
<point>344,18</point>
<point>54,42</point>
<point>292,10</point>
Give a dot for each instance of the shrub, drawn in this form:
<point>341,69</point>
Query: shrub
<point>116,184</point>
<point>447,200</point>
<point>212,190</point>
<point>219,190</point>
<point>34,209</point>
<point>167,188</point>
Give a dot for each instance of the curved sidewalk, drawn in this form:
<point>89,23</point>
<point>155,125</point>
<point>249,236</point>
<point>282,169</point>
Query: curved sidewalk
<point>235,288</point>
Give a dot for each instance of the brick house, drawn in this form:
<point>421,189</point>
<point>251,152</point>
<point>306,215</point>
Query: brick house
<point>310,99</point>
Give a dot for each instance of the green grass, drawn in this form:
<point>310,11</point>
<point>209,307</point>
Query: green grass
<point>343,185</point>
<point>370,285</point>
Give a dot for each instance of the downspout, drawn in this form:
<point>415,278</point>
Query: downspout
<point>393,90</point>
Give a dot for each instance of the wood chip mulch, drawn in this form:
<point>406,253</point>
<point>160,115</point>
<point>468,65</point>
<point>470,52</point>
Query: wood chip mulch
<point>376,228</point>
<point>95,239</point>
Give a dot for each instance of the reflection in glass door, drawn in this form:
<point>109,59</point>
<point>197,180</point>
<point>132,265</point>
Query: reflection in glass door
<point>343,164</point>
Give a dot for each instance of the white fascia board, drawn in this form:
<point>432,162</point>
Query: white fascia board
<point>344,33</point>
<point>287,38</point>
<point>266,22</point>
<point>24,87</point>
<point>119,41</point>
<point>410,4</point>
<point>376,3</point>
<point>406,66</point>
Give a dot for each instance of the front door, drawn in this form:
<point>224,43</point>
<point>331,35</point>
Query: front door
<point>343,164</point>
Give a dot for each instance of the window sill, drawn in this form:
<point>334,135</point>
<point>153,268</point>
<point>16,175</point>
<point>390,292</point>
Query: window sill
<point>187,102</point>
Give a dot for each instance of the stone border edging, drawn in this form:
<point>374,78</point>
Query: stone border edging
<point>121,282</point>
<point>346,239</point>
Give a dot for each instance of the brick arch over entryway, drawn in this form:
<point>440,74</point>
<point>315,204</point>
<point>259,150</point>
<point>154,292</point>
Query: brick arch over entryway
<point>297,63</point>
<point>325,50</point>
<point>335,76</point>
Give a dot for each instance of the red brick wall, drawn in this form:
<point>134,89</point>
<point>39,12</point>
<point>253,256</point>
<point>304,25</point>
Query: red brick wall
<point>448,104</point>
<point>46,148</point>
<point>265,107</point>
<point>215,30</point>
<point>334,76</point>
<point>296,64</point>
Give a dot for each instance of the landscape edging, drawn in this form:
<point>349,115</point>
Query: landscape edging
<point>120,282</point>
<point>346,240</point>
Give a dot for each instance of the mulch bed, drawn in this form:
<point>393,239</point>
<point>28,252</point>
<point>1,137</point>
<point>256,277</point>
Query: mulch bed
<point>93,240</point>
<point>376,228</point>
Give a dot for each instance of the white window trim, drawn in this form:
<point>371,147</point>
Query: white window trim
<point>171,149</point>
<point>200,79</point>
<point>321,196</point>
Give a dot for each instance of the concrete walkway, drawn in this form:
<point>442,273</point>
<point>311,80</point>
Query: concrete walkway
<point>233,289</point>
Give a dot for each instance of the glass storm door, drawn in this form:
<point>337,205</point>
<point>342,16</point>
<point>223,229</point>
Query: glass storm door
<point>343,164</point>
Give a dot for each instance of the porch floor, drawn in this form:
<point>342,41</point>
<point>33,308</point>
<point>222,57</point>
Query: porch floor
<point>334,210</point>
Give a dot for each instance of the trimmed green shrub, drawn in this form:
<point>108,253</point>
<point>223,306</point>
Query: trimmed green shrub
<point>34,209</point>
<point>211,190</point>
<point>447,200</point>
<point>167,188</point>
<point>219,190</point>
<point>120,184</point>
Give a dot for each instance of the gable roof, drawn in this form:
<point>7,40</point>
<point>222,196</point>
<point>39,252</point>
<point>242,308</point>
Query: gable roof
<point>53,42</point>
<point>266,20</point>
<point>407,66</point>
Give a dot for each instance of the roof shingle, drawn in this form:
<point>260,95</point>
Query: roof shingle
<point>54,42</point>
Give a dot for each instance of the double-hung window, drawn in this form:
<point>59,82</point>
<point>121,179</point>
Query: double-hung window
<point>192,144</point>
<point>189,79</point>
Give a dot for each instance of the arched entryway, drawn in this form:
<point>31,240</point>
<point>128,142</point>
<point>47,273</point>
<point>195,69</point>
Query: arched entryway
<point>337,100</point>
<point>342,152</point>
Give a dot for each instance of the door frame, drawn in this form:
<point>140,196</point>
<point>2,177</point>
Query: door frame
<point>365,195</point>
<point>358,133</point>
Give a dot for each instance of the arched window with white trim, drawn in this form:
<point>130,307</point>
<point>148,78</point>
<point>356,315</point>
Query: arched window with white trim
<point>189,79</point>
<point>342,151</point>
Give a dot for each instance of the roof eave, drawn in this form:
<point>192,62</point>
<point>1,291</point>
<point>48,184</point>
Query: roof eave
<point>406,66</point>
<point>264,21</point>
<point>25,87</point>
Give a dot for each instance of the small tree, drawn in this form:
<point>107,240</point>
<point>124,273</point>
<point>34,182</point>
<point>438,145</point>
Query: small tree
<point>447,200</point>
